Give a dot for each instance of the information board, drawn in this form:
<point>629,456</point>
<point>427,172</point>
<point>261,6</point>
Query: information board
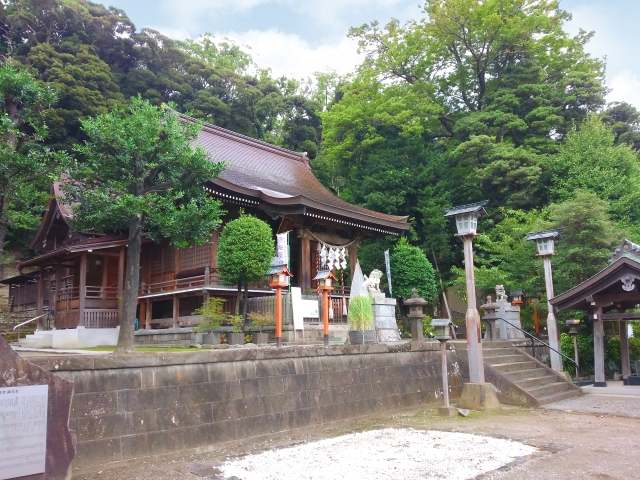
<point>23,430</point>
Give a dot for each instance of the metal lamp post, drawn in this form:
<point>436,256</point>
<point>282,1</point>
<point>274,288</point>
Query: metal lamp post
<point>441,326</point>
<point>280,275</point>
<point>573,331</point>
<point>325,279</point>
<point>545,243</point>
<point>467,222</point>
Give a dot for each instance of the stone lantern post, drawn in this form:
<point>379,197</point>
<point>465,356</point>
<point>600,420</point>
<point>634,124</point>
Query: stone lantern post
<point>476,395</point>
<point>545,243</point>
<point>416,314</point>
<point>490,308</point>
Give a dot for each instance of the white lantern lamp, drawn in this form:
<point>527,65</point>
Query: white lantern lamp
<point>545,240</point>
<point>467,217</point>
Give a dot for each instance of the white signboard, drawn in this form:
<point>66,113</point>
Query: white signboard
<point>282,249</point>
<point>23,430</point>
<point>302,308</point>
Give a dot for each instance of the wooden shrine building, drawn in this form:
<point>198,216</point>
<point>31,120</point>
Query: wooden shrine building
<point>79,276</point>
<point>608,296</point>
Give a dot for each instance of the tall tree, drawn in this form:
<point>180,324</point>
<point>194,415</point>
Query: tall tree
<point>245,252</point>
<point>140,174</point>
<point>25,164</point>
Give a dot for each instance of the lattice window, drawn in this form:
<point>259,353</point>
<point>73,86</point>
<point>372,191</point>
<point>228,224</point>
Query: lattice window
<point>196,257</point>
<point>162,259</point>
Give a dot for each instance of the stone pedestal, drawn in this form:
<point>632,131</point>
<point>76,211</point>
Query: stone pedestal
<point>478,396</point>
<point>447,411</point>
<point>511,313</point>
<point>384,318</point>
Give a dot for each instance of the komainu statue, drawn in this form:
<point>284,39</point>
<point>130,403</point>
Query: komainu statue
<point>501,295</point>
<point>372,282</point>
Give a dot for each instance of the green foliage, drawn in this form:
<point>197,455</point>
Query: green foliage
<point>236,322</point>
<point>585,354</point>
<point>27,167</point>
<point>410,269</point>
<point>139,162</point>
<point>212,315</point>
<point>245,250</point>
<point>360,314</point>
<point>589,161</point>
<point>427,329</point>
<point>259,320</point>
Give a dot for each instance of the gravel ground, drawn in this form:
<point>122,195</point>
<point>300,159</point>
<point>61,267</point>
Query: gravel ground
<point>570,445</point>
<point>385,454</point>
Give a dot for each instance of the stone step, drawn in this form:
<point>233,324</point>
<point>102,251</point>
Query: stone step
<point>514,366</point>
<point>556,397</point>
<point>505,359</point>
<point>514,376</point>
<point>535,381</point>
<point>548,389</point>
<point>496,352</point>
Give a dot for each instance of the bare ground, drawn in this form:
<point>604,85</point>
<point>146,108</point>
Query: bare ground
<point>573,445</point>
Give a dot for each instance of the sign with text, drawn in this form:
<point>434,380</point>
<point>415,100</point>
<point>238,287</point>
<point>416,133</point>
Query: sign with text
<point>282,249</point>
<point>23,430</point>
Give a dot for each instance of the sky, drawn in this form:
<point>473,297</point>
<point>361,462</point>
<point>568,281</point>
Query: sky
<point>297,37</point>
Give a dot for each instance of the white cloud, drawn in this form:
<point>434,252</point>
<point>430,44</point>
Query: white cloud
<point>288,54</point>
<point>625,88</point>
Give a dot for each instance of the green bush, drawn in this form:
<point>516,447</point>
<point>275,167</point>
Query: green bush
<point>212,315</point>
<point>259,320</point>
<point>612,361</point>
<point>411,269</point>
<point>360,315</point>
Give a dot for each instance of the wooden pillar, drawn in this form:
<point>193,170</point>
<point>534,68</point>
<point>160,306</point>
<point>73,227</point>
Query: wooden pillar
<point>624,349</point>
<point>120,293</point>
<point>56,294</point>
<point>147,314</point>
<point>176,304</point>
<point>40,298</point>
<point>598,348</point>
<point>305,260</point>
<point>104,260</point>
<point>82,291</point>
<point>353,257</point>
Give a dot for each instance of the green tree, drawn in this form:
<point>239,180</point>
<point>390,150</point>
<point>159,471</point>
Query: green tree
<point>589,161</point>
<point>411,269</point>
<point>624,120</point>
<point>245,252</point>
<point>589,238</point>
<point>26,166</point>
<point>140,173</point>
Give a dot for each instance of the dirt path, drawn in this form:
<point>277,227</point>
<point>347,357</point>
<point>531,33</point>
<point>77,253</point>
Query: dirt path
<point>572,445</point>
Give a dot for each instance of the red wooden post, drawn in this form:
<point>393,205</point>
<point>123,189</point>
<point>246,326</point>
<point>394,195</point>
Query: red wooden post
<point>278,316</point>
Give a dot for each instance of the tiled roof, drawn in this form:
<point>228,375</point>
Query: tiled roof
<point>278,176</point>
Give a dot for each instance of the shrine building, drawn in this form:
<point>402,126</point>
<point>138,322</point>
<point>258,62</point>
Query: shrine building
<point>77,277</point>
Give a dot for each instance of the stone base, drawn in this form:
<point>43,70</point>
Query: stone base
<point>447,411</point>
<point>478,396</point>
<point>566,375</point>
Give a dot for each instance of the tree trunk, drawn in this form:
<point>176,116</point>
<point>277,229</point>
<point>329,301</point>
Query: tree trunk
<point>245,302</point>
<point>239,297</point>
<point>131,285</point>
<point>4,220</point>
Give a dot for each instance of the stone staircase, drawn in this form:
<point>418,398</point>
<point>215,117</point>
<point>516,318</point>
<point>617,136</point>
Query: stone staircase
<point>521,379</point>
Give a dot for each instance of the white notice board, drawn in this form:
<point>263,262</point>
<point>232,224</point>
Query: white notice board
<point>302,308</point>
<point>23,430</point>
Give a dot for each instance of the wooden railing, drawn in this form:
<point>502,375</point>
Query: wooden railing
<point>101,292</point>
<point>102,318</point>
<point>199,281</point>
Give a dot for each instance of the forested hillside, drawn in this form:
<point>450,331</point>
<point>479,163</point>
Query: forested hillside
<point>477,100</point>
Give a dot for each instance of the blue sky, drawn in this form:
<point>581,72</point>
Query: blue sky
<point>297,37</point>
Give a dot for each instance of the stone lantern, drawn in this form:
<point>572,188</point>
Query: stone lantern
<point>546,248</point>
<point>280,275</point>
<point>325,283</point>
<point>573,331</point>
<point>442,328</point>
<point>490,317</point>
<point>416,314</point>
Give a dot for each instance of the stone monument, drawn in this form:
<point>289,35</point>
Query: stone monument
<point>384,309</point>
<point>35,440</point>
<point>511,313</point>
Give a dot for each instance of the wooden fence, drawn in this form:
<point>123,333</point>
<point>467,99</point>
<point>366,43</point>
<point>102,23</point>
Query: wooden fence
<point>267,306</point>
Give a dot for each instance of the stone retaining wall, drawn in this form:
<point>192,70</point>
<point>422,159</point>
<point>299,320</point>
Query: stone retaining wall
<point>151,403</point>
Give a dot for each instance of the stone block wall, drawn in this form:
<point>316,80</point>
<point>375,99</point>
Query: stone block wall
<point>151,403</point>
